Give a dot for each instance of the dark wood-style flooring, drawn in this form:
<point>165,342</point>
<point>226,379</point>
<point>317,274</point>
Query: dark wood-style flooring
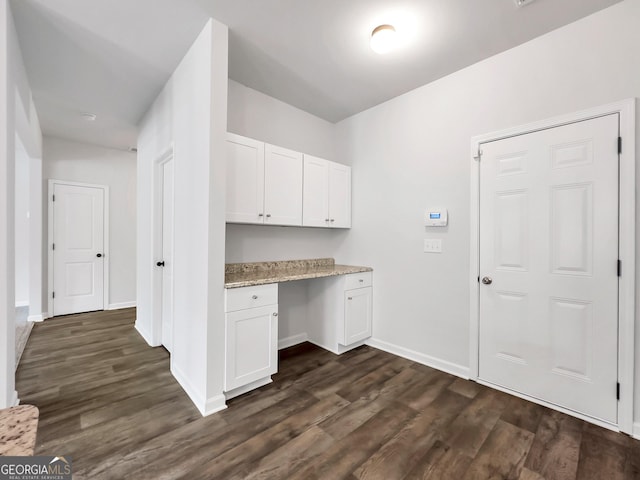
<point>109,401</point>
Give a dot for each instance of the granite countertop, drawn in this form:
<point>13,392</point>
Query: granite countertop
<point>261,273</point>
<point>18,426</point>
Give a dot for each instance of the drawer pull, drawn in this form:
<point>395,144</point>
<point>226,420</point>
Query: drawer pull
<point>361,280</point>
<point>255,297</point>
<point>349,298</point>
<point>275,314</point>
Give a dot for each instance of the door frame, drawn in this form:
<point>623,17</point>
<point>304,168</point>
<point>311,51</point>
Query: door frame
<point>626,242</point>
<point>105,219</point>
<point>156,227</point>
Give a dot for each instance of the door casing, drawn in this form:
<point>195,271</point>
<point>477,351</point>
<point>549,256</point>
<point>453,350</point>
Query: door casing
<point>626,235</point>
<point>50,287</point>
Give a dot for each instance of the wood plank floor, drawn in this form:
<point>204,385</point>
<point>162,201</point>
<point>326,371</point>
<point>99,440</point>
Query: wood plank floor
<point>109,401</point>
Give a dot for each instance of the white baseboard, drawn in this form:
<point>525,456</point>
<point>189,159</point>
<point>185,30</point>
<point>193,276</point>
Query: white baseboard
<point>144,334</point>
<point>292,340</point>
<point>15,400</point>
<point>205,406</point>
<point>22,303</point>
<point>438,364</point>
<point>636,430</point>
<point>118,306</point>
<point>37,318</point>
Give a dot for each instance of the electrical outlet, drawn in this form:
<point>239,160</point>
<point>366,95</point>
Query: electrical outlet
<point>432,245</point>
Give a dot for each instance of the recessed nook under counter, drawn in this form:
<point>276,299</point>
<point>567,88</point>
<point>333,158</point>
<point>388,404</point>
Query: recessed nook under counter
<point>337,314</point>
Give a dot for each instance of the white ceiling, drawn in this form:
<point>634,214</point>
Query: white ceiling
<point>112,57</point>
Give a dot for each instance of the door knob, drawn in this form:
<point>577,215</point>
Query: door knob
<point>160,264</point>
<point>99,255</point>
<point>487,280</point>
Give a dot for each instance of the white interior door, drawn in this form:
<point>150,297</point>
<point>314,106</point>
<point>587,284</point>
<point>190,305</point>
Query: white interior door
<point>78,251</point>
<point>548,321</point>
<point>167,254</point>
<point>282,186</point>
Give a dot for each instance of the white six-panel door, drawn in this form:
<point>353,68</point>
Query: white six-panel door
<point>548,324</point>
<point>78,250</point>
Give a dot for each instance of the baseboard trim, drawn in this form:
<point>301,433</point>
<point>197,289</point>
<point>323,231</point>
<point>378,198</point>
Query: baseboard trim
<point>214,404</point>
<point>207,406</point>
<point>119,306</point>
<point>429,361</point>
<point>636,430</point>
<point>15,401</point>
<point>37,318</point>
<point>23,303</point>
<point>144,334</point>
<point>292,340</point>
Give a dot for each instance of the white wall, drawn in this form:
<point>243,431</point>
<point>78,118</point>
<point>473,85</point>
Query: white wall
<point>22,190</point>
<point>14,92</point>
<point>189,114</point>
<point>80,162</point>
<point>414,151</point>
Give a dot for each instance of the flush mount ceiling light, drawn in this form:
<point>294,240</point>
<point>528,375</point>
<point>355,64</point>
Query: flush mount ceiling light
<point>383,39</point>
<point>88,117</point>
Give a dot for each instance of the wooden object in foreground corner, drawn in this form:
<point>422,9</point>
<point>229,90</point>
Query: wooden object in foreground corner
<point>18,426</point>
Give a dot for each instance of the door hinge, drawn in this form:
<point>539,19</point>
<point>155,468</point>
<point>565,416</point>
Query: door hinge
<point>618,391</point>
<point>478,279</point>
<point>53,246</point>
<point>619,144</point>
<point>619,268</point>
<point>478,156</point>
<point>53,198</point>
<point>53,294</point>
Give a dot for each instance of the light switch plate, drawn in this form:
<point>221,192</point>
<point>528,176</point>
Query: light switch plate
<point>432,245</point>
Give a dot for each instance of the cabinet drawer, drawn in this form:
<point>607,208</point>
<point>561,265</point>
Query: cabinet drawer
<point>250,297</point>
<point>358,280</point>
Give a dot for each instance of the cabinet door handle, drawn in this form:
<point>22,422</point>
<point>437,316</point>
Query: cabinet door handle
<point>333,219</point>
<point>268,215</point>
<point>349,298</point>
<point>326,219</point>
<point>361,280</point>
<point>275,314</point>
<point>261,214</point>
<point>255,297</point>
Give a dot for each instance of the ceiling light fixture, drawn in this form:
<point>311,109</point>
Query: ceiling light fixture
<point>89,117</point>
<point>383,39</point>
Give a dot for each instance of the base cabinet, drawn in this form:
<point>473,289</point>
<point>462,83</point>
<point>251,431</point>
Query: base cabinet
<point>339,312</point>
<point>251,331</point>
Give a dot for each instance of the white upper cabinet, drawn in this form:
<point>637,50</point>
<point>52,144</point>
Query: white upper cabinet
<point>315,192</point>
<point>326,194</point>
<point>282,186</point>
<point>264,183</point>
<point>245,179</point>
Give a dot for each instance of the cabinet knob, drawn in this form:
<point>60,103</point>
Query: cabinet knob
<point>261,214</point>
<point>326,219</point>
<point>361,280</point>
<point>349,298</point>
<point>268,215</point>
<point>255,297</point>
<point>275,314</point>
<point>333,219</point>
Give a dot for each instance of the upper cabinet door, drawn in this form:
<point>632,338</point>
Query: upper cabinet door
<point>315,192</point>
<point>282,186</point>
<point>245,180</point>
<point>339,195</point>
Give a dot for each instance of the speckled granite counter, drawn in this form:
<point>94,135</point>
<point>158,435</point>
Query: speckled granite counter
<point>18,426</point>
<point>260,273</point>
